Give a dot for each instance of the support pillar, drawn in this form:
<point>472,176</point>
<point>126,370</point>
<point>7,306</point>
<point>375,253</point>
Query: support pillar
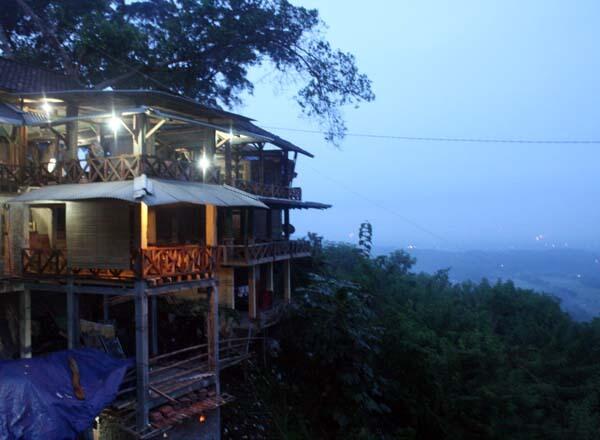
<point>25,323</point>
<point>154,325</point>
<point>252,292</point>
<point>141,355</point>
<point>286,223</point>
<point>140,128</point>
<point>72,316</point>
<point>72,132</point>
<point>105,308</point>
<point>287,281</point>
<point>228,173</point>
<point>213,334</point>
<point>226,276</point>
<point>270,284</point>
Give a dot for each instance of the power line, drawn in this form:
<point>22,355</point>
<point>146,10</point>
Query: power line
<point>382,206</point>
<point>447,139</point>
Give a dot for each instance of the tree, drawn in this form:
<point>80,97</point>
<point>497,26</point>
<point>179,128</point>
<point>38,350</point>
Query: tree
<point>200,48</point>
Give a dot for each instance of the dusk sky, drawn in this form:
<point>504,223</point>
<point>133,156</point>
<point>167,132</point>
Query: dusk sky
<point>469,69</point>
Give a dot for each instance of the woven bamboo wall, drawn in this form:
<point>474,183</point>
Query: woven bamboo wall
<point>98,234</point>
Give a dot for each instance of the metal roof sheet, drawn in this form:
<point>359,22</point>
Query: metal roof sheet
<point>287,203</point>
<point>153,192</point>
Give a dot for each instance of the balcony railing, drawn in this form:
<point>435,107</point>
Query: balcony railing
<point>268,190</point>
<point>156,264</point>
<point>258,253</point>
<point>125,167</point>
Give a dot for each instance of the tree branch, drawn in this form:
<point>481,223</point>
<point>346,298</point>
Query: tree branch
<point>66,59</point>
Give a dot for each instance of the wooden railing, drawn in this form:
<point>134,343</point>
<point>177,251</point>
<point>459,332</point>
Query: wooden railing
<point>177,263</point>
<point>257,253</point>
<point>155,264</point>
<point>268,190</point>
<point>125,167</point>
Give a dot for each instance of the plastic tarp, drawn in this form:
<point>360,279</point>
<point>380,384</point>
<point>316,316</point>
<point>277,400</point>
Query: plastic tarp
<point>37,399</point>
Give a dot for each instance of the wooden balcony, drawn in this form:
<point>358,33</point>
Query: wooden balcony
<point>124,167</point>
<point>260,253</point>
<point>157,265</point>
<point>268,190</point>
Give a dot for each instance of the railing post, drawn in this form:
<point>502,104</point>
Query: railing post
<point>213,334</point>
<point>252,292</point>
<point>72,315</point>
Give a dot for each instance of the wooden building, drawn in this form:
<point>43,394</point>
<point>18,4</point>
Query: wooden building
<point>141,199</point>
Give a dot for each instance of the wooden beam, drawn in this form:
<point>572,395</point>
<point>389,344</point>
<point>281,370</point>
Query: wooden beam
<point>155,128</point>
<point>151,224</point>
<point>25,323</point>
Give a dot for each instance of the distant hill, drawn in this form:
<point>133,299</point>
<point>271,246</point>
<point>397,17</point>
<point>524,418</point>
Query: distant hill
<point>571,275</point>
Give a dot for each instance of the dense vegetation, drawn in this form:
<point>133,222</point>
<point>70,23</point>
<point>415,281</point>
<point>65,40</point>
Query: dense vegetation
<point>371,350</point>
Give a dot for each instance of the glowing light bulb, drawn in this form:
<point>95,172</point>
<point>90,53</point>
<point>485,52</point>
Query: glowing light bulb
<point>114,123</point>
<point>51,165</point>
<point>46,107</point>
<point>204,163</point>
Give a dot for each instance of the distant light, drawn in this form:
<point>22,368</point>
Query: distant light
<point>578,275</point>
<point>46,107</point>
<point>204,163</point>
<point>114,123</point>
<point>202,418</point>
<point>51,165</point>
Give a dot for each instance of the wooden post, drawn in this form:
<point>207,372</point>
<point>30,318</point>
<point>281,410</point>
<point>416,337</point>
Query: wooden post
<point>25,323</point>
<point>261,163</point>
<point>141,355</point>
<point>72,132</point>
<point>287,281</point>
<point>226,276</point>
<point>151,225</point>
<point>211,226</point>
<point>105,308</point>
<point>286,222</point>
<point>269,281</point>
<point>154,325</point>
<point>143,225</point>
<point>72,316</point>
<point>140,128</point>
<point>228,175</point>
<point>252,292</point>
<point>213,334</point>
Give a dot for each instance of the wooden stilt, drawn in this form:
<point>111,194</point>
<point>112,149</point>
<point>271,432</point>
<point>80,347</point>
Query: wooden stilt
<point>25,323</point>
<point>141,355</point>
<point>252,292</point>
<point>154,325</point>
<point>270,285</point>
<point>72,316</point>
<point>213,334</point>
<point>287,281</point>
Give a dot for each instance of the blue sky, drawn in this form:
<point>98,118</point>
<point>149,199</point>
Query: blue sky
<point>504,69</point>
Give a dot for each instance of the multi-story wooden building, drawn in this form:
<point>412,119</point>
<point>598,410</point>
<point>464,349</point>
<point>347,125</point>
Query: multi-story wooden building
<point>120,205</point>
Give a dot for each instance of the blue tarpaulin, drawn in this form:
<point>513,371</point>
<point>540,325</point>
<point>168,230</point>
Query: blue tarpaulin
<point>37,399</point>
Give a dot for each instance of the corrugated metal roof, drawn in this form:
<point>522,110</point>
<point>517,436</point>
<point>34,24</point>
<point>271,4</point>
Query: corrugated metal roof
<point>21,77</point>
<point>153,192</point>
<point>287,203</point>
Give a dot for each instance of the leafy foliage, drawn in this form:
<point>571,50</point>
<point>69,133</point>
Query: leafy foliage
<point>372,350</point>
<point>201,48</point>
